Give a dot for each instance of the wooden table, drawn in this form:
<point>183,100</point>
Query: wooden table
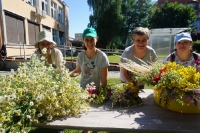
<point>147,118</point>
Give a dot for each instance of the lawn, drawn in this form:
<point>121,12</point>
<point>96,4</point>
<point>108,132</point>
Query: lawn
<point>116,58</point>
<point>112,58</point>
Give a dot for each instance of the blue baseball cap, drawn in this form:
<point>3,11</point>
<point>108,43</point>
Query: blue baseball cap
<point>183,36</point>
<point>89,32</point>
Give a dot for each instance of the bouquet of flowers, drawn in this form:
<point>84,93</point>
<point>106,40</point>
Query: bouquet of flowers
<point>126,95</point>
<point>98,95</point>
<point>172,80</point>
<point>37,93</point>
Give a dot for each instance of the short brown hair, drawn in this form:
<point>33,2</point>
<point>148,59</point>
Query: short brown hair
<point>140,31</point>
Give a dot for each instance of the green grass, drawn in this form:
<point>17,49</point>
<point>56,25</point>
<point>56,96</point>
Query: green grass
<point>116,58</point>
<point>111,58</point>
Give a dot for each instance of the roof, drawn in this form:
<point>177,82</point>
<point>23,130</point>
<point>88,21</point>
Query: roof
<point>168,31</point>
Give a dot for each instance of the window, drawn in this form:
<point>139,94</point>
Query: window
<point>32,2</point>
<point>194,6</point>
<point>61,38</point>
<point>15,30</point>
<point>44,5</point>
<point>60,15</point>
<point>55,36</point>
<point>33,30</point>
<point>53,10</point>
<point>191,4</point>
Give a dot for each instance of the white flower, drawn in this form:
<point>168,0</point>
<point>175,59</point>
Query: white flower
<point>39,115</point>
<point>42,58</point>
<point>44,50</point>
<point>13,58</point>
<point>54,94</point>
<point>12,71</point>
<point>13,96</point>
<point>39,97</point>
<point>93,95</point>
<point>28,116</point>
<point>49,118</point>
<point>2,130</point>
<point>31,103</point>
<point>2,100</point>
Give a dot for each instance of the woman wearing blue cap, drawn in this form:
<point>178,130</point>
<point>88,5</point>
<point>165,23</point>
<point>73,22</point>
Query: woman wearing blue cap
<point>92,63</point>
<point>183,53</point>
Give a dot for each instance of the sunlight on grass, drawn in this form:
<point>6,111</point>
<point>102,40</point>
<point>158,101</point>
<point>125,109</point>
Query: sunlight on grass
<point>111,58</point>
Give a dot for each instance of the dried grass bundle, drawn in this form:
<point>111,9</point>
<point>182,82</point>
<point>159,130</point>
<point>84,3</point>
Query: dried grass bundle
<point>135,68</point>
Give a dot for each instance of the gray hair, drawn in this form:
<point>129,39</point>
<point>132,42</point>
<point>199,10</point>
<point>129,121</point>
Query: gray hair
<point>140,31</point>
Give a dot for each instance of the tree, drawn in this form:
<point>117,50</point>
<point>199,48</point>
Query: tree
<point>172,15</point>
<point>114,19</point>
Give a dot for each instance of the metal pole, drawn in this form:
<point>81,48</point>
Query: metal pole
<point>24,52</point>
<point>170,41</point>
<point>20,49</point>
<point>2,23</point>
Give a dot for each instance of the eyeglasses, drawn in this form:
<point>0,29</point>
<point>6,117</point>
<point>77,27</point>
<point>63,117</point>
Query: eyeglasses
<point>183,42</point>
<point>141,41</point>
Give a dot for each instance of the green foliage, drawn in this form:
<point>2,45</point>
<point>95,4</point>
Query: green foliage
<point>196,46</point>
<point>172,15</point>
<point>114,19</point>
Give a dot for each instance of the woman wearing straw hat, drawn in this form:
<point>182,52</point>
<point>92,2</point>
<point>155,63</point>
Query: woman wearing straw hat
<point>46,47</point>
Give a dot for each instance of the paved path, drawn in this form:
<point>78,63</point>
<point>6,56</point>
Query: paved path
<point>111,74</point>
<point>5,72</point>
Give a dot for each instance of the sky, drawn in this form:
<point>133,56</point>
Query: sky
<point>79,13</point>
<point>78,16</point>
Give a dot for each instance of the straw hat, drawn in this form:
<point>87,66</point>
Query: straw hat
<point>44,35</point>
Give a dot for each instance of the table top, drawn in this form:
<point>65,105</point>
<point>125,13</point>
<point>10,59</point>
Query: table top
<point>146,118</point>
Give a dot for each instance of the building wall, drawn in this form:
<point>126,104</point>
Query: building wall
<point>27,16</point>
<point>79,36</point>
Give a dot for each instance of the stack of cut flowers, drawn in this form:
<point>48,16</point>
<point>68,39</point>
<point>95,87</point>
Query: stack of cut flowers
<point>37,93</point>
<point>172,80</point>
<point>125,95</point>
<point>98,95</point>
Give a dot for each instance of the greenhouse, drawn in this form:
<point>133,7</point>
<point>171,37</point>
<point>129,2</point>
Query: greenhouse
<point>162,40</point>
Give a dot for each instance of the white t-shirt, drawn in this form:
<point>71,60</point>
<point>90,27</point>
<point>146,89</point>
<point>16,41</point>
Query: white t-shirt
<point>91,68</point>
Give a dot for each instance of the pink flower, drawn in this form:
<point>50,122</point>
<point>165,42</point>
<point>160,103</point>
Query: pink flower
<point>95,91</point>
<point>197,62</point>
<point>89,91</point>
